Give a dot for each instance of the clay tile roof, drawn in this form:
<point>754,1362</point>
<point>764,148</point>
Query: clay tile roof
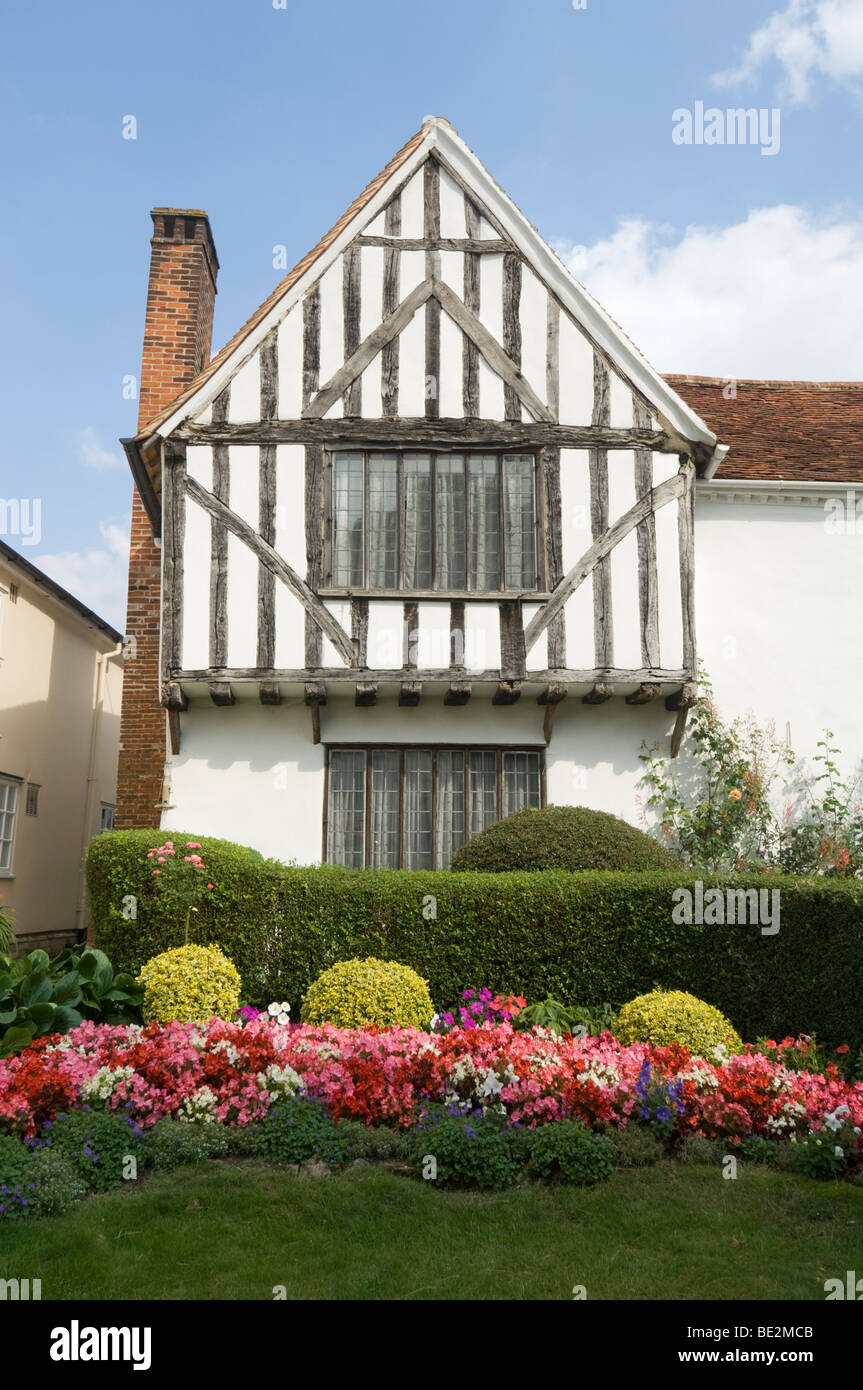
<point>284,285</point>
<point>791,430</point>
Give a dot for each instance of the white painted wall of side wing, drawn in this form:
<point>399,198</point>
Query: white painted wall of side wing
<point>778,613</point>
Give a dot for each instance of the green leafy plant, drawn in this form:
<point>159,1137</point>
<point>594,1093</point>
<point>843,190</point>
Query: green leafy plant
<point>816,1157</point>
<point>561,1018</point>
<point>97,1143</point>
<point>575,936</point>
<point>667,1016</point>
<point>715,806</point>
<point>561,837</point>
<point>569,1152</point>
<point>827,835</point>
<point>190,982</point>
<point>461,1150</point>
<point>636,1146</point>
<point>39,996</point>
<point>298,1131</point>
<point>355,993</point>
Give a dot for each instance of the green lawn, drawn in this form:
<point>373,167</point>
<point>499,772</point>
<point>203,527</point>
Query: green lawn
<point>234,1230</point>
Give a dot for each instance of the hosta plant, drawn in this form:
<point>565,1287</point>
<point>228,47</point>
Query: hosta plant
<point>39,996</point>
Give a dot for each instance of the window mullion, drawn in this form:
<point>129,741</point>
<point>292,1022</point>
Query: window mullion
<point>401,808</point>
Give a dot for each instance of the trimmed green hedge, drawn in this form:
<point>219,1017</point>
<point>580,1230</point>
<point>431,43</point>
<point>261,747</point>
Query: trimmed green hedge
<point>584,938</point>
<point>562,837</point>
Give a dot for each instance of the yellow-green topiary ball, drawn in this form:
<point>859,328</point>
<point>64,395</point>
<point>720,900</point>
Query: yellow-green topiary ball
<point>190,983</point>
<point>355,993</point>
<point>666,1016</point>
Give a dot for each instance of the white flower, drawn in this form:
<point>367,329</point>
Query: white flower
<point>282,1018</point>
<point>838,1151</point>
<point>272,1009</point>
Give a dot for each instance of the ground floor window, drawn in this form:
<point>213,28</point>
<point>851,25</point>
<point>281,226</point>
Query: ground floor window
<point>8,807</point>
<point>411,808</point>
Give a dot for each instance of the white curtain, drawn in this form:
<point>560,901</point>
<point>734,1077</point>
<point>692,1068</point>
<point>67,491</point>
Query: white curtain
<point>520,781</point>
<point>348,518</point>
<point>417,811</point>
<point>450,540</point>
<point>519,517</point>
<point>384,810</point>
<point>345,808</point>
<point>484,502</point>
<point>483,790</point>
<point>418,521</point>
<point>383,521</point>
<point>449,806</point>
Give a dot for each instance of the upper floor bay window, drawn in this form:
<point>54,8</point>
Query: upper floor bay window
<point>434,521</point>
<point>411,808</point>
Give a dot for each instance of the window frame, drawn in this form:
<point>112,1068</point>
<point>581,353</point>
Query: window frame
<point>363,589</point>
<point>6,779</point>
<point>103,807</point>
<point>31,799</point>
<point>434,747</point>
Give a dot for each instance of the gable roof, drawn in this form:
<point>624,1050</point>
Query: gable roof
<point>783,430</point>
<point>438,135</point>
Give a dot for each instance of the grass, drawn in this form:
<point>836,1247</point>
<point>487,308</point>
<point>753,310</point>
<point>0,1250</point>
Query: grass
<point>235,1230</point>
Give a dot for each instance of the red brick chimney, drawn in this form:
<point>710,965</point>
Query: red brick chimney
<point>177,333</point>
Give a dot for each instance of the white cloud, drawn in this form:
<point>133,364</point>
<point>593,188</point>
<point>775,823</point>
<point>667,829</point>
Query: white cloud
<point>777,295</point>
<point>810,38</point>
<point>92,453</point>
<point>97,577</point>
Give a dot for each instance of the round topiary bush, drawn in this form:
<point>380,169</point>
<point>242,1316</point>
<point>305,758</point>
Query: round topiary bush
<point>561,837</point>
<point>355,993</point>
<point>189,983</point>
<point>667,1016</point>
<point>567,1151</point>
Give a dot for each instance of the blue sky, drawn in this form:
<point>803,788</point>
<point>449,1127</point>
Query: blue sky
<point>716,259</point>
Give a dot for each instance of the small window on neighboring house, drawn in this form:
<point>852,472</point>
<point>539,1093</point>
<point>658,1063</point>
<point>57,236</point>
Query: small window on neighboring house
<point>411,808</point>
<point>8,807</point>
<point>31,799</point>
<point>106,820</point>
<point>416,521</point>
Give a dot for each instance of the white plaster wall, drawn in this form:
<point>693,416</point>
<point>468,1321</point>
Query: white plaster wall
<point>250,774</point>
<point>778,619</point>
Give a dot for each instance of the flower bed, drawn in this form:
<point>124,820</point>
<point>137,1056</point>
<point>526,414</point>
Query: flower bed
<point>234,1073</point>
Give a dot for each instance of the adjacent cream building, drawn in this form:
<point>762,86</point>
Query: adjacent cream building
<point>61,680</point>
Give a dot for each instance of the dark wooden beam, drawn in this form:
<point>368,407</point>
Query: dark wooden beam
<point>410,693</point>
<point>230,521</point>
<point>173,696</point>
<point>507,693</point>
<point>683,698</point>
<point>221,693</point>
<point>679,729</point>
<point>366,694</point>
<point>458,694</point>
<point>644,694</point>
<point>352,296</point>
<point>450,430</point>
<point>553,694</point>
<point>476,246</point>
<point>365,352</point>
<point>601,547</point>
<point>491,350</point>
<point>598,695</point>
<point>390,300</point>
<point>315,693</point>
<point>270,693</point>
<point>174,730</point>
<point>342,675</point>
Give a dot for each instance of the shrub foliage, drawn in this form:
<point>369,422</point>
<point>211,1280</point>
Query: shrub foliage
<point>561,837</point>
<point>355,993</point>
<point>667,1016</point>
<point>580,937</point>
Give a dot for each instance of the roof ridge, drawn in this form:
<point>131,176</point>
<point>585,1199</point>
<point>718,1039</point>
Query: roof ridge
<point>772,383</point>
